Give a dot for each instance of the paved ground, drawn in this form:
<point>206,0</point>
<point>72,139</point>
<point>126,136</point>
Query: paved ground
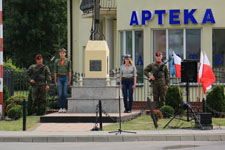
<point>168,145</point>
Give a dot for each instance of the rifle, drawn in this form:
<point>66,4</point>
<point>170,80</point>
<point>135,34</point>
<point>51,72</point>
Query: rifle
<point>35,77</point>
<point>155,74</point>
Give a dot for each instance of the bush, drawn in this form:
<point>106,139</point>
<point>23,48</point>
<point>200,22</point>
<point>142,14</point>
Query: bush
<point>173,98</point>
<point>5,94</point>
<point>216,100</point>
<point>167,111</point>
<point>18,100</point>
<point>9,65</point>
<point>15,112</point>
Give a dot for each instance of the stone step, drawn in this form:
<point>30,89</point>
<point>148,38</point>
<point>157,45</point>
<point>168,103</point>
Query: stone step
<point>87,117</point>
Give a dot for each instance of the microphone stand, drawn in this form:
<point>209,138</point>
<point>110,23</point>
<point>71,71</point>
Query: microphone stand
<point>119,131</point>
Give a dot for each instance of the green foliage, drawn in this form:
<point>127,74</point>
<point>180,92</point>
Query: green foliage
<point>32,27</point>
<point>52,98</point>
<point>9,65</point>
<point>15,112</point>
<point>173,97</point>
<point>29,103</point>
<point>216,99</point>
<point>5,93</point>
<point>167,111</point>
<point>18,100</point>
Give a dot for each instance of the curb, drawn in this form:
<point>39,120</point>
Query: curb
<point>111,138</point>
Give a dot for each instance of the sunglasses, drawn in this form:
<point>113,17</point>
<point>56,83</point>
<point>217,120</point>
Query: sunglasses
<point>158,55</point>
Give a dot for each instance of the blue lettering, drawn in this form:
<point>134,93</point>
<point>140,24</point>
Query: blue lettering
<point>174,16</point>
<point>146,16</point>
<point>208,17</point>
<point>193,56</point>
<point>160,14</point>
<point>189,15</point>
<point>219,59</point>
<point>134,18</point>
<point>140,61</point>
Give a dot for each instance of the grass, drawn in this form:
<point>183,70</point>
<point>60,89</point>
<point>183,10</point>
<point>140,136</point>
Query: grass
<point>17,125</point>
<point>145,122</point>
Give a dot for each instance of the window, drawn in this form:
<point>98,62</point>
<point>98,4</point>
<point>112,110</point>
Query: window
<point>131,42</point>
<point>219,54</point>
<point>185,42</point>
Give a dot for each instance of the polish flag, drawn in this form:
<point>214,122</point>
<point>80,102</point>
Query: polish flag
<point>200,67</point>
<point>207,77</point>
<point>177,63</point>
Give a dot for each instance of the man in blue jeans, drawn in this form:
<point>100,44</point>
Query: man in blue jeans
<point>62,75</point>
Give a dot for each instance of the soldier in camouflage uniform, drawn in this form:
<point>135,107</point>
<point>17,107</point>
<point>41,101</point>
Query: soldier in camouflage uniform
<point>62,75</point>
<point>160,84</point>
<point>40,85</point>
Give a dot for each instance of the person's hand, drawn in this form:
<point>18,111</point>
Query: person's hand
<point>166,87</point>
<point>32,81</point>
<point>68,83</point>
<point>133,87</point>
<point>152,77</point>
<point>47,87</point>
<point>56,85</point>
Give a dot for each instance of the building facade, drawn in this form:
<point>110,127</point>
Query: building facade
<point>142,27</point>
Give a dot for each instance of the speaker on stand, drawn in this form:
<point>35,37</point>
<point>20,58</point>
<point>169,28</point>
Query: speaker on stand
<point>188,74</point>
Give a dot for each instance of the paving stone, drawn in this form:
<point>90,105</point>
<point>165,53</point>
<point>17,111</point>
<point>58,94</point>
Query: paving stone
<point>201,137</point>
<point>130,138</point>
<point>101,139</point>
<point>173,138</point>
<point>85,139</point>
<point>70,139</point>
<point>40,139</point>
<point>11,139</point>
<point>223,137</point>
<point>214,138</point>
<point>117,138</point>
<point>159,138</point>
<point>145,138</point>
<point>187,138</point>
<point>25,139</point>
<point>55,139</point>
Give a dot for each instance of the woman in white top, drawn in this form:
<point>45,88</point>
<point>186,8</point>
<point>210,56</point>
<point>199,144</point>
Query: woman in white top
<point>128,75</point>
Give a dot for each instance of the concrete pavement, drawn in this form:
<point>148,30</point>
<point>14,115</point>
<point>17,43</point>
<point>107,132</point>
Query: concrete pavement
<point>105,136</point>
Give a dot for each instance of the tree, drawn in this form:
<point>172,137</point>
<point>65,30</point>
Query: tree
<point>32,27</point>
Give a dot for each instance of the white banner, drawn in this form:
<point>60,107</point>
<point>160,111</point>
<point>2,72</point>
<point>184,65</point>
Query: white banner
<point>1,58</point>
<point>1,111</point>
<point>1,84</point>
<point>1,31</point>
<point>0,5</point>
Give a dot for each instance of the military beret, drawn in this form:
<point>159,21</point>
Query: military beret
<point>158,53</point>
<point>38,57</point>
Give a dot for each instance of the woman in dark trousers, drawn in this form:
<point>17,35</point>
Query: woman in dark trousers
<point>128,75</point>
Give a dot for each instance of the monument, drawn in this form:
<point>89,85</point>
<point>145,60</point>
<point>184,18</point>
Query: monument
<point>96,85</point>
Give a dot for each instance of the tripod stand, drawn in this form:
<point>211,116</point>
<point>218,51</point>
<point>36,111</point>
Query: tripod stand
<point>185,106</point>
<point>119,131</point>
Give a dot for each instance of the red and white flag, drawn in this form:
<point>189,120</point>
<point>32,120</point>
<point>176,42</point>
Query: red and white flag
<point>207,77</point>
<point>177,64</point>
<point>200,67</point>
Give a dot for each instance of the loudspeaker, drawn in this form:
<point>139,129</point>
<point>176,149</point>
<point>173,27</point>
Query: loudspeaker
<point>189,71</point>
<point>205,120</point>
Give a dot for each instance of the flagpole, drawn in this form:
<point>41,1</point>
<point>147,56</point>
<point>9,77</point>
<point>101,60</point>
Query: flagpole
<point>179,90</point>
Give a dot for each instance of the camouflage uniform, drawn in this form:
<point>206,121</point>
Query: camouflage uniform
<point>159,83</point>
<point>38,89</point>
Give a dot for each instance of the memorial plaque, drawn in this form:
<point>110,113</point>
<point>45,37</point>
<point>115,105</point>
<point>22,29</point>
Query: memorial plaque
<point>95,65</point>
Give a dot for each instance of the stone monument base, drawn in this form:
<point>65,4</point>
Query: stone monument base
<point>85,98</point>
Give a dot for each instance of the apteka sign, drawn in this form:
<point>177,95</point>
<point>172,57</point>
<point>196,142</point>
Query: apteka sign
<point>174,17</point>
